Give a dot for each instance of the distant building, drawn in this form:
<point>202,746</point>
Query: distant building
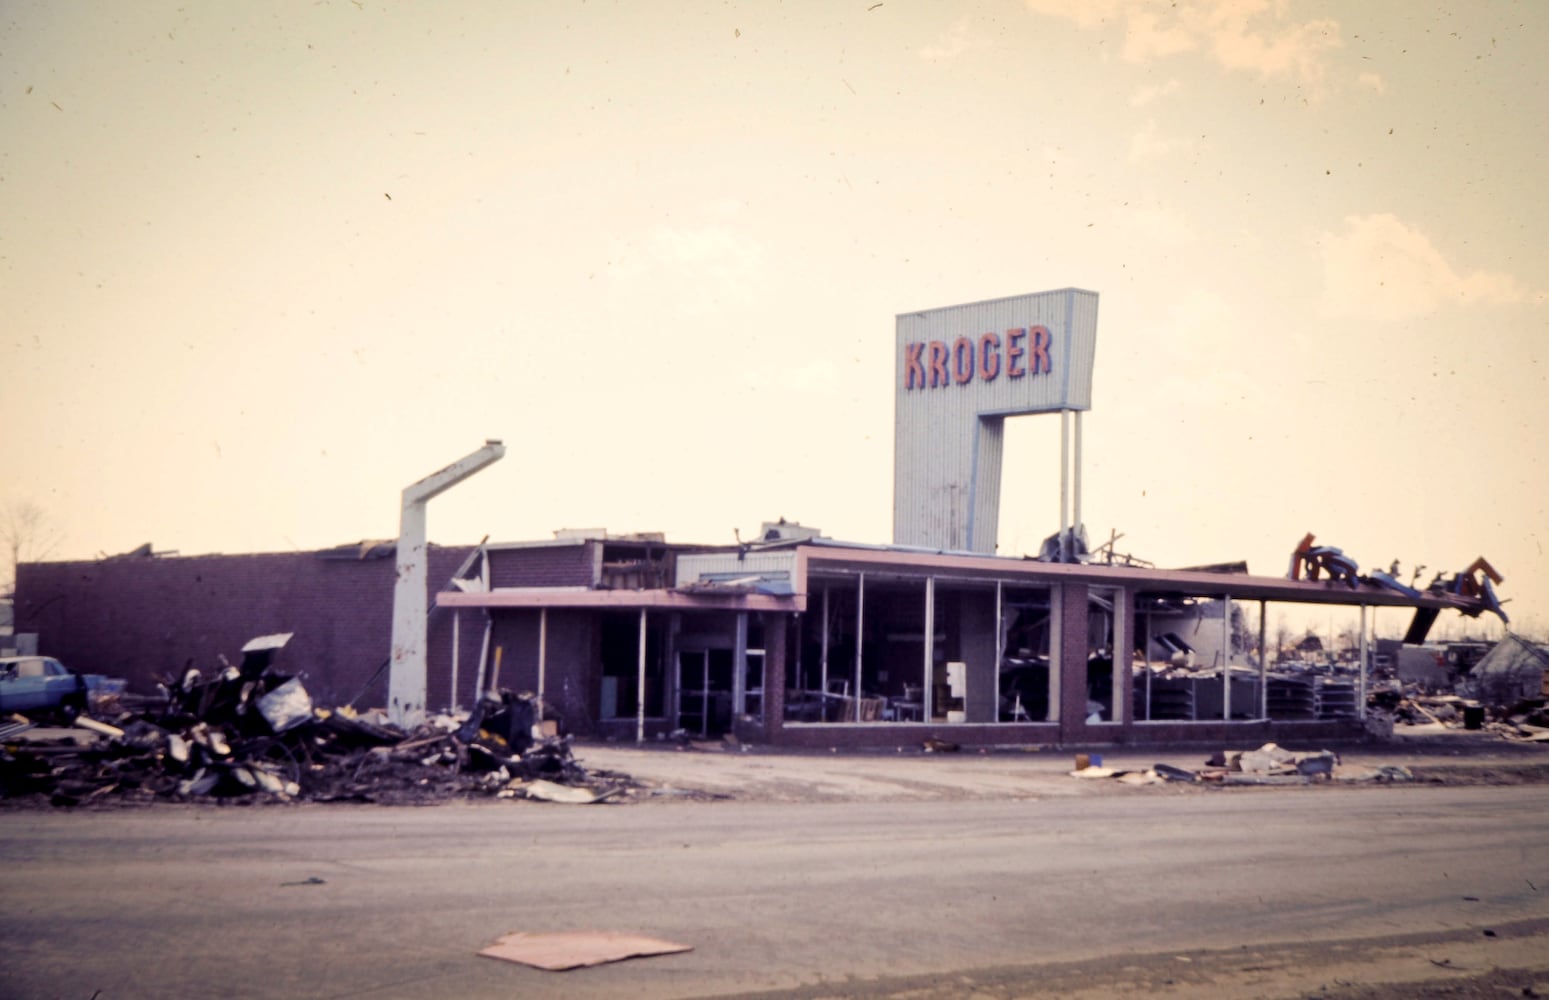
<point>1514,670</point>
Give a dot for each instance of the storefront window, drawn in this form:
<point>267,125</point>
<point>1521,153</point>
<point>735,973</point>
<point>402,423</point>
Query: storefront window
<point>1027,685</point>
<point>1102,681</point>
<point>621,667</point>
<point>1196,659</point>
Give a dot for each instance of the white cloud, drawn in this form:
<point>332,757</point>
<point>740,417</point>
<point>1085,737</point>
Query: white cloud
<point>1149,143</point>
<point>1257,36</point>
<point>1148,37</point>
<point>1241,39</point>
<point>954,43</point>
<point>1154,92</point>
<point>1085,13</point>
<point>1374,81</point>
<point>699,268</point>
<point>1380,269</point>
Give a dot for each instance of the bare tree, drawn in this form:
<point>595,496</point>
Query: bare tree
<point>27,534</point>
<point>1245,635</point>
<point>1283,636</point>
<point>1349,639</point>
<point>1532,628</point>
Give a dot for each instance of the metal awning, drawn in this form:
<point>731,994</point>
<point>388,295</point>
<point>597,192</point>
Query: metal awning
<point>602,600</point>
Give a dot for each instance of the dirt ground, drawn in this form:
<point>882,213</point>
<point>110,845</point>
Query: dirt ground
<point>720,770</point>
<point>1512,961</point>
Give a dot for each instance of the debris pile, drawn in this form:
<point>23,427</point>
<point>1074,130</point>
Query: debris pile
<point>249,733</point>
<point>1268,765</point>
<point>1523,720</point>
<point>1531,726</point>
<point>1408,706</point>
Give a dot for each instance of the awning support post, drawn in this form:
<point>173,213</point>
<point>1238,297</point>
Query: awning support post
<point>640,688</point>
<point>860,630</point>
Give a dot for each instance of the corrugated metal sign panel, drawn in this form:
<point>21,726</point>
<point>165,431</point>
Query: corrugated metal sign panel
<point>959,371</point>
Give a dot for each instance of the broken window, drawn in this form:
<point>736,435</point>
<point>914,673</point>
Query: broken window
<point>863,650</point>
<point>1104,609</point>
<point>620,642</point>
<point>1026,685</point>
<point>1197,659</point>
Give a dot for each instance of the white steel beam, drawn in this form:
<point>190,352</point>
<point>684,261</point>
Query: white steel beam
<point>406,681</point>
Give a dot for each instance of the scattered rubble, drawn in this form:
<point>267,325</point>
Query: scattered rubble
<point>1268,765</point>
<point>249,733</point>
<point>1520,720</point>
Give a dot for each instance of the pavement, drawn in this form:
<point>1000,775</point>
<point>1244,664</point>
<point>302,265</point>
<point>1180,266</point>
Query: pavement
<point>713,770</point>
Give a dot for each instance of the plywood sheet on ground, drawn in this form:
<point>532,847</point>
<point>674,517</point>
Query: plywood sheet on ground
<point>563,950</point>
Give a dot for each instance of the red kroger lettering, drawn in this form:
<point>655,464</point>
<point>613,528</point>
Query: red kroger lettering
<point>963,360</point>
<point>938,364</point>
<point>989,357</point>
<point>914,369</point>
<point>1021,351</point>
<point>1040,359</point>
<point>1015,352</point>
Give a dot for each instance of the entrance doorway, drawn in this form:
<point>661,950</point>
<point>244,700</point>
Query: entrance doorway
<point>705,691</point>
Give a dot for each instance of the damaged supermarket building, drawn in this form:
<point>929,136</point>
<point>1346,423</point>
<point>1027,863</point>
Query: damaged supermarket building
<point>793,638</point>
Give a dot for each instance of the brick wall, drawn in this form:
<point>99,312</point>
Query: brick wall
<point>560,565</point>
<point>146,618</point>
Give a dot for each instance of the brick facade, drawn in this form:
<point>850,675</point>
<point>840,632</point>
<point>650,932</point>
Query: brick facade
<point>148,618</point>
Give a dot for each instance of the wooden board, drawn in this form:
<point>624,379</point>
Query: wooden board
<point>577,949</point>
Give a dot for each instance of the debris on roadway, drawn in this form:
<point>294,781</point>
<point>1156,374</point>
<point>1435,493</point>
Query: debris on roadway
<point>564,950</point>
<point>1268,765</point>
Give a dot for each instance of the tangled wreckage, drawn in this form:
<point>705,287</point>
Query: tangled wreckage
<point>251,732</point>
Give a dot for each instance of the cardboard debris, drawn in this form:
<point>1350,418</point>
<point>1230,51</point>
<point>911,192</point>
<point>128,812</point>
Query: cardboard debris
<point>560,951</point>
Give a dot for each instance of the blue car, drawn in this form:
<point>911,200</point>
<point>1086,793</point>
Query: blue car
<point>32,683</point>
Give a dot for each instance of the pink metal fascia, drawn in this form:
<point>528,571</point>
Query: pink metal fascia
<point>676,600</point>
<point>810,559</point>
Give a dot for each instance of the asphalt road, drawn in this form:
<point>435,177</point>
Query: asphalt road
<point>218,902</point>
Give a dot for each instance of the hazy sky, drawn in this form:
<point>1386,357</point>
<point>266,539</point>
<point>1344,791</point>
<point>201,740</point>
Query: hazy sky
<point>263,265</point>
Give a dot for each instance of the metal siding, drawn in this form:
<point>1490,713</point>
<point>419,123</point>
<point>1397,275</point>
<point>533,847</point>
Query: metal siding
<point>989,448</point>
<point>943,453</point>
<point>1083,350</point>
<point>692,568</point>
